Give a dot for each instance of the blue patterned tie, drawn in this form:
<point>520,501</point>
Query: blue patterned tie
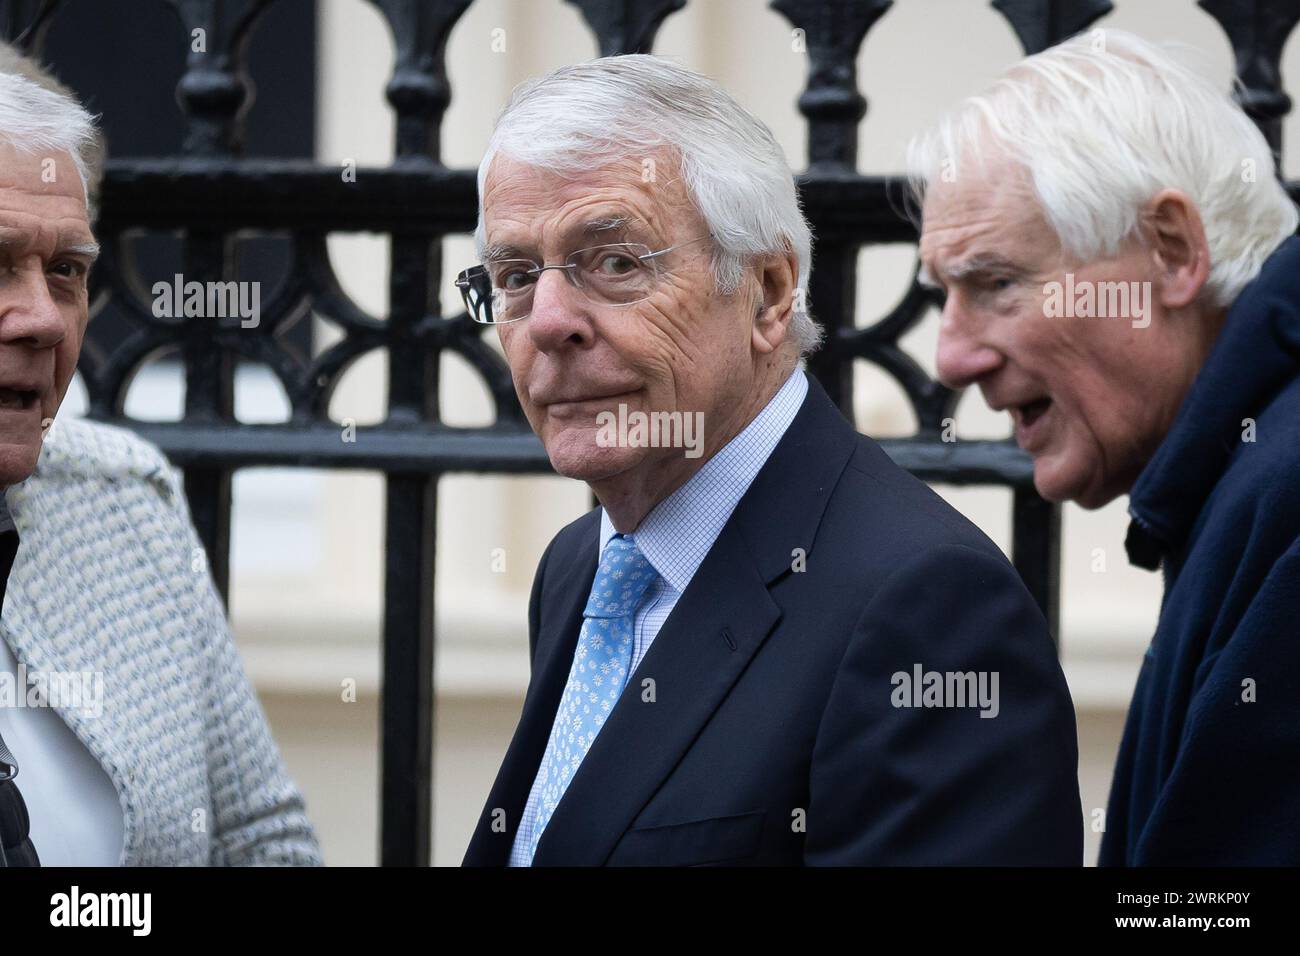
<point>600,669</point>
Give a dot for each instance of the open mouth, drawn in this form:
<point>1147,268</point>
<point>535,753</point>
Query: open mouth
<point>1033,411</point>
<point>17,399</point>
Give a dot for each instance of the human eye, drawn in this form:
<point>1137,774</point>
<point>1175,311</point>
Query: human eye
<point>69,268</point>
<point>512,276</point>
<point>612,263</point>
<point>992,283</point>
<point>619,263</point>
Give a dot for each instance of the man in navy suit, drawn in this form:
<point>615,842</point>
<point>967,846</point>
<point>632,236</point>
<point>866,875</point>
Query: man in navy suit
<point>769,645</point>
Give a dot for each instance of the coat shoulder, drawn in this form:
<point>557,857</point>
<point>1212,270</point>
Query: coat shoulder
<point>96,482</point>
<point>887,510</point>
<point>79,449</point>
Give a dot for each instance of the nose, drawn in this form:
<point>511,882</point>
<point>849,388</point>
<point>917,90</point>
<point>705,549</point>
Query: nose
<point>28,313</point>
<point>559,315</point>
<point>962,358</point>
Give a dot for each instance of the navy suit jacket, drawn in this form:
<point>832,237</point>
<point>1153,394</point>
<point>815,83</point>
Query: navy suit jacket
<point>761,726</point>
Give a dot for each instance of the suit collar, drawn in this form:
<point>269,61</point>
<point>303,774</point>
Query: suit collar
<point>783,508</point>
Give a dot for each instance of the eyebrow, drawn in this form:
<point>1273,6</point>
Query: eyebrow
<point>619,223</point>
<point>975,265</point>
<point>88,250</point>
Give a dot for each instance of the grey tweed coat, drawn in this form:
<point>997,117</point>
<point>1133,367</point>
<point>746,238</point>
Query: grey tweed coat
<point>110,578</point>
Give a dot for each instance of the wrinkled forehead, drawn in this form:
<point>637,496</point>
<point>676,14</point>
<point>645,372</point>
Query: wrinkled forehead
<point>42,199</point>
<point>526,207</point>
<point>994,206</point>
<point>985,185</point>
<point>47,172</point>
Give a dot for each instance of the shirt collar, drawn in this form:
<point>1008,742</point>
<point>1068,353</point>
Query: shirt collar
<point>678,532</point>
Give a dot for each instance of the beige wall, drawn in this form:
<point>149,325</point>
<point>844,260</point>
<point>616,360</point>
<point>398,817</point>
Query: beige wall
<point>306,593</point>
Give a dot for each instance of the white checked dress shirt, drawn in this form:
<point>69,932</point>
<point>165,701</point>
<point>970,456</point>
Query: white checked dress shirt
<point>678,533</point>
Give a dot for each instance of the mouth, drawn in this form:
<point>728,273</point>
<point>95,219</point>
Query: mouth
<point>1028,418</point>
<point>18,399</point>
<point>577,402</point>
<point>1031,412</point>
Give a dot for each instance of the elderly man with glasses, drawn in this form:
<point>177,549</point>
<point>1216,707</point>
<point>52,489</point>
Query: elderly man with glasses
<point>784,650</point>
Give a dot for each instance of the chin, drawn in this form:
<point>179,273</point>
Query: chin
<point>17,462</point>
<point>1093,499</point>
<point>1058,482</point>
<point>575,454</point>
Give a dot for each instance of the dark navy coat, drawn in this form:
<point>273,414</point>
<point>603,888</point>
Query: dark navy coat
<point>1209,766</point>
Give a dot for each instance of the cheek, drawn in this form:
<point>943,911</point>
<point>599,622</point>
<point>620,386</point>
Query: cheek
<point>705,326</point>
<point>1103,418</point>
<point>673,321</point>
<point>1045,344</point>
<point>1104,378</point>
<point>659,340</point>
<point>693,354</point>
<point>687,309</point>
<point>65,358</point>
<point>506,339</point>
<point>518,352</point>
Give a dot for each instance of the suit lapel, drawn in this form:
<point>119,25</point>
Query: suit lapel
<point>565,594</point>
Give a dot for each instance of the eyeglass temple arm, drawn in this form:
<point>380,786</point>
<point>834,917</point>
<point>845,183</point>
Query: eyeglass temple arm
<point>651,255</point>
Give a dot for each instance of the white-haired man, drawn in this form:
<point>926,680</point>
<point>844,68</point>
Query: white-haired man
<point>1122,276</point>
<point>128,731</point>
<point>769,645</point>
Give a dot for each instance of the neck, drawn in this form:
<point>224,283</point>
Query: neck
<point>628,497</point>
<point>1205,326</point>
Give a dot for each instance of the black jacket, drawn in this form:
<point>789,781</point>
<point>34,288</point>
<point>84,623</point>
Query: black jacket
<point>15,842</point>
<point>1209,767</point>
<point>772,738</point>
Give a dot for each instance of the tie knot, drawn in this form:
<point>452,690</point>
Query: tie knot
<point>621,579</point>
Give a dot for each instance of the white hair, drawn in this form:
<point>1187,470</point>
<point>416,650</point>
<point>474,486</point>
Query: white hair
<point>37,119</point>
<point>1103,122</point>
<point>579,118</point>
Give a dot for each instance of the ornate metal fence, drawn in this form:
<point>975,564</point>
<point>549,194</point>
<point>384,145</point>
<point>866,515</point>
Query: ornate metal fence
<point>208,194</point>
